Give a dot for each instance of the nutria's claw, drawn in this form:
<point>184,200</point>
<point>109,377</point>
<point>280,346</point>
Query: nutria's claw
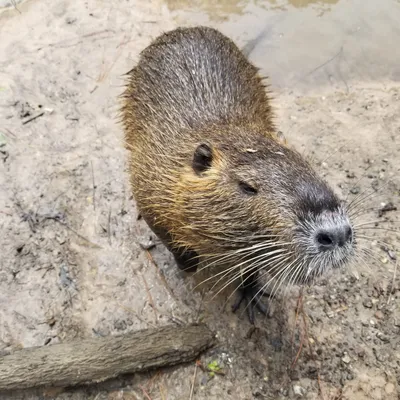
<point>253,298</point>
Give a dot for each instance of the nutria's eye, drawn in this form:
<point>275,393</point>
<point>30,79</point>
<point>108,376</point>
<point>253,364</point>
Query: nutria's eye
<point>247,189</point>
<point>202,158</point>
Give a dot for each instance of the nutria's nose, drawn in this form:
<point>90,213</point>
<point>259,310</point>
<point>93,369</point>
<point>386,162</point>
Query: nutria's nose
<point>336,236</point>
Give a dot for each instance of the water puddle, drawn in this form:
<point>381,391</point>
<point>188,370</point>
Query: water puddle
<point>302,43</point>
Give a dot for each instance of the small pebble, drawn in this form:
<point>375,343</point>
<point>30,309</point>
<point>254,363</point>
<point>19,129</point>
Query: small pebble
<point>383,337</point>
<point>379,315</point>
<point>146,242</point>
<point>346,359</point>
<point>299,391</point>
<point>390,388</point>
<point>355,190</point>
<point>367,303</point>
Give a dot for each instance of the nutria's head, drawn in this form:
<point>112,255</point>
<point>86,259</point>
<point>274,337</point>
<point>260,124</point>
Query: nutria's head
<point>248,200</point>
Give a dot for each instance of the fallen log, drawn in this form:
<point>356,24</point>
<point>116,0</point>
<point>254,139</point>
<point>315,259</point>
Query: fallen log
<point>98,359</point>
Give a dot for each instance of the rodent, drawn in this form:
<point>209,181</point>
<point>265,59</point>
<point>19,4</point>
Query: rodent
<point>212,176</point>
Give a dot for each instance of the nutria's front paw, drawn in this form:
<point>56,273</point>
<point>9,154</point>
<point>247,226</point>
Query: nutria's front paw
<point>253,297</point>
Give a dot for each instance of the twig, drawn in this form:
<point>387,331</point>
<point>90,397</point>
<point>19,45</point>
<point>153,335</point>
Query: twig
<point>300,307</point>
<point>193,383</point>
<point>32,118</point>
<point>109,226</point>
<point>299,300</point>
<point>11,133</point>
<point>393,281</point>
<point>14,3</point>
<point>298,352</point>
<point>64,43</point>
<point>145,393</point>
<point>150,299</point>
<point>96,246</point>
<point>324,64</point>
<point>318,67</point>
<point>161,276</point>
<point>5,212</point>
<point>161,391</point>
<point>103,75</point>
<point>94,187</point>
<point>152,381</point>
<point>311,351</point>
<point>131,310</point>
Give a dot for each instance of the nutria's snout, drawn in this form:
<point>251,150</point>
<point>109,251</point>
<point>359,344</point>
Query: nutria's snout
<point>332,237</point>
<point>327,240</point>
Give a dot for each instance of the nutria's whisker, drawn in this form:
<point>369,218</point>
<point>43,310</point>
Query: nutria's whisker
<point>222,259</point>
<point>363,176</point>
<point>254,264</point>
<point>277,265</point>
<point>257,265</point>
<point>278,275</point>
<point>373,239</point>
<point>277,278</point>
<point>297,271</point>
<point>378,221</point>
<point>362,213</point>
<point>249,239</point>
<point>282,278</point>
<point>259,248</point>
<point>378,228</point>
<point>360,256</point>
<point>369,254</point>
<point>277,260</point>
<point>372,195</point>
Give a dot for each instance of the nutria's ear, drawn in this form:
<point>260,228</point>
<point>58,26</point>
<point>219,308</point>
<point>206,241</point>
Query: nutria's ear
<point>202,158</point>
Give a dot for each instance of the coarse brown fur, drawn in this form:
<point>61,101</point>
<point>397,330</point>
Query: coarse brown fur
<point>195,98</point>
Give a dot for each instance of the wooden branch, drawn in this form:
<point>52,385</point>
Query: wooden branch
<point>97,359</point>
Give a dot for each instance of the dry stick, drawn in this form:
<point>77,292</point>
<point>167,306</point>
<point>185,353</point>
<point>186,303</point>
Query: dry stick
<point>160,275</point>
<point>92,244</point>
<point>300,298</point>
<point>299,351</point>
<point>193,383</point>
<point>153,306</point>
<point>94,187</point>
<point>152,381</point>
<point>299,308</point>
<point>109,227</point>
<point>98,359</point>
<point>145,393</point>
<point>311,351</point>
<point>14,3</point>
<point>32,118</point>
<point>161,391</point>
<point>393,282</point>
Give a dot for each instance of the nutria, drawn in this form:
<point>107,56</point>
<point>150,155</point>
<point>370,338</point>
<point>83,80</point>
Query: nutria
<point>214,179</point>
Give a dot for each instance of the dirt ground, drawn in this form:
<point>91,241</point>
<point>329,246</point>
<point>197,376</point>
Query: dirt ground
<point>72,262</point>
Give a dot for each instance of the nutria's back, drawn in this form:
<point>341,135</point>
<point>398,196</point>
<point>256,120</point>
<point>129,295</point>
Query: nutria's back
<point>189,78</point>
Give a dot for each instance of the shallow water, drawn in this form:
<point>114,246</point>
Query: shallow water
<point>302,43</point>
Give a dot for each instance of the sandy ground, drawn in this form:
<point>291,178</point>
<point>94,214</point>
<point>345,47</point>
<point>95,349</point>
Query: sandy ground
<point>72,264</point>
